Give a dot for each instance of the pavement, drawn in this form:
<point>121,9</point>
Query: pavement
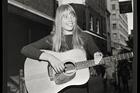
<point>99,85</point>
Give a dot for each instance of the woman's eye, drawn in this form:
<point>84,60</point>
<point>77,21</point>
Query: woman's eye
<point>69,17</point>
<point>73,17</point>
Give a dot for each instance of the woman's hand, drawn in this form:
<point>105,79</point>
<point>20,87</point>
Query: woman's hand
<point>56,64</point>
<point>98,57</point>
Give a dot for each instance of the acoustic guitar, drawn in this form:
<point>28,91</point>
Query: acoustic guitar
<point>41,78</point>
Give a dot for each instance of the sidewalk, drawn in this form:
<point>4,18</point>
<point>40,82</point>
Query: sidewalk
<point>99,85</point>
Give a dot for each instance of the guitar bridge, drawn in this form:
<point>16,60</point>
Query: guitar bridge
<point>62,78</point>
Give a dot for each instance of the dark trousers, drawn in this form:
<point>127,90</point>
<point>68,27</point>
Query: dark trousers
<point>75,89</point>
<point>96,84</point>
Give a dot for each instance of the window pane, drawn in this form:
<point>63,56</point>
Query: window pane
<point>114,26</point>
<point>113,7</point>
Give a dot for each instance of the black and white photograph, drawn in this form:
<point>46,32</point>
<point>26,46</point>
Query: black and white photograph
<point>69,46</point>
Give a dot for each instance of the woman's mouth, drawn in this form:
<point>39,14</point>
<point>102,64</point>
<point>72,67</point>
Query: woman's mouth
<point>70,24</point>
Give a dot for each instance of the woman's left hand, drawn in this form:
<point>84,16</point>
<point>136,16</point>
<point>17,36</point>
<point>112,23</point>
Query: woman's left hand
<point>98,57</point>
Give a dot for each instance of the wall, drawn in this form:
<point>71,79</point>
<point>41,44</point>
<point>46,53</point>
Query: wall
<point>21,31</point>
<point>45,6</point>
<point>97,10</point>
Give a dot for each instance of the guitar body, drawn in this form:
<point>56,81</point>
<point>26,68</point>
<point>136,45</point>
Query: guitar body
<point>37,78</point>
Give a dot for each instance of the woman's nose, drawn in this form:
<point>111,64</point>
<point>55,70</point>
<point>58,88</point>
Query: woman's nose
<point>71,19</point>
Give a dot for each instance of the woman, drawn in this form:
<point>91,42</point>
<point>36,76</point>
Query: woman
<point>80,9</point>
<point>66,35</point>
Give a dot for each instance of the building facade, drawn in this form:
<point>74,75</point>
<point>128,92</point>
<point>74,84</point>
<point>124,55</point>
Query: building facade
<point>98,23</point>
<point>119,25</point>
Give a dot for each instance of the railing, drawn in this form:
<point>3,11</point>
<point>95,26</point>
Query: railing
<point>16,84</point>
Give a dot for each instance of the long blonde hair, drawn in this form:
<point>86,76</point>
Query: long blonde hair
<point>58,37</point>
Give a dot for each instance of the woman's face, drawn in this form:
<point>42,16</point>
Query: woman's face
<point>68,21</point>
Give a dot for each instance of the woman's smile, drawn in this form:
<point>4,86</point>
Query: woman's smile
<point>69,24</point>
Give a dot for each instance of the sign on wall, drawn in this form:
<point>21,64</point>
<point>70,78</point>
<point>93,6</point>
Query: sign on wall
<point>125,6</point>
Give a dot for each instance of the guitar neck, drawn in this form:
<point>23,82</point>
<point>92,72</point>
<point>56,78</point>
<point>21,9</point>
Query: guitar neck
<point>90,63</point>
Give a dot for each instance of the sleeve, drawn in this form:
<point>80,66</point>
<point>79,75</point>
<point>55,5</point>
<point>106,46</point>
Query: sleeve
<point>33,50</point>
<point>90,46</point>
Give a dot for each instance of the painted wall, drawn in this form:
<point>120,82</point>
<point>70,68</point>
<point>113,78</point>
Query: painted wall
<point>21,31</point>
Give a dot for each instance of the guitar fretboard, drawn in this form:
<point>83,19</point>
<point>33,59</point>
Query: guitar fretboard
<point>105,60</point>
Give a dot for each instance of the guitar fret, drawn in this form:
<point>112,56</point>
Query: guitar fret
<point>84,64</point>
<point>90,63</point>
<point>80,65</point>
<point>105,60</point>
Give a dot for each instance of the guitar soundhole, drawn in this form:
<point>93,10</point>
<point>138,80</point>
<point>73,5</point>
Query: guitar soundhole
<point>69,67</point>
<point>67,75</point>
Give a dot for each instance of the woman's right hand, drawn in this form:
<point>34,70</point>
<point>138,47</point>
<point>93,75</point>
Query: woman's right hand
<point>56,64</point>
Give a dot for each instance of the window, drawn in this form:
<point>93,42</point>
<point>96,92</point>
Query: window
<point>98,26</point>
<point>114,26</point>
<point>123,39</point>
<point>115,36</point>
<point>114,16</point>
<point>91,23</point>
<point>113,7</point>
